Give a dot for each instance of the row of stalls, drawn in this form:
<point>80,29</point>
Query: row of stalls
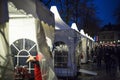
<point>32,29</point>
<point>26,28</point>
<point>69,46</point>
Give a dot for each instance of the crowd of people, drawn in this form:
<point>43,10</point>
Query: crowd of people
<point>110,55</point>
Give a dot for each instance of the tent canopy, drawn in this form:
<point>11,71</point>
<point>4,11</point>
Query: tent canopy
<point>74,26</point>
<point>36,8</point>
<point>59,23</point>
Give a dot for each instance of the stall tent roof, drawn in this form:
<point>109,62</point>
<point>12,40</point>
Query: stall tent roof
<point>36,8</point>
<point>74,26</point>
<point>59,23</point>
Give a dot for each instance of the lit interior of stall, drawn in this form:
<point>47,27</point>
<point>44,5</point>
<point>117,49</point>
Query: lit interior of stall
<point>84,46</point>
<point>87,45</point>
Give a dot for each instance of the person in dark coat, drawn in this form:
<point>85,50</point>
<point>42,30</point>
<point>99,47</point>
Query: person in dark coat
<point>99,55</point>
<point>118,56</point>
<point>107,59</point>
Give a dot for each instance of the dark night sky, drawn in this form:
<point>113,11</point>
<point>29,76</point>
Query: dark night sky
<point>106,9</point>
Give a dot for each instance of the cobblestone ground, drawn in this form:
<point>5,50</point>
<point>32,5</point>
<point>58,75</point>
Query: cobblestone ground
<point>101,73</point>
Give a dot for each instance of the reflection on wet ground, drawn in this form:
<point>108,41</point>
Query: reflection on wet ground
<point>114,74</point>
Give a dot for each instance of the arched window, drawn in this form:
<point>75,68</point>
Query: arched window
<point>21,49</point>
<point>60,54</point>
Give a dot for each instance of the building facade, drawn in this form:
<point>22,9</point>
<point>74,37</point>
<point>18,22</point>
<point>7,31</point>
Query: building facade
<point>109,35</point>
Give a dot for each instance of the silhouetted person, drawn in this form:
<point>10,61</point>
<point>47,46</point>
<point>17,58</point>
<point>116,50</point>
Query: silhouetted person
<point>107,59</point>
<point>87,51</point>
<point>118,56</point>
<point>99,55</point>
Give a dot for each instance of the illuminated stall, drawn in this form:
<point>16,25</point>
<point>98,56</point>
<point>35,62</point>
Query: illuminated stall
<point>84,47</point>
<point>91,45</point>
<point>31,32</point>
<point>66,47</point>
<point>87,45</point>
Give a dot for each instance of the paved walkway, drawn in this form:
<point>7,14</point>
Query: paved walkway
<point>101,73</point>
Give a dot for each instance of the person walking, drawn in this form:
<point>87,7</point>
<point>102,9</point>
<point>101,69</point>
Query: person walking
<point>117,52</point>
<point>107,60</point>
<point>99,55</point>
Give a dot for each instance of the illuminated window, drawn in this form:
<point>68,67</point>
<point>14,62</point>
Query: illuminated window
<point>60,54</point>
<point>20,50</point>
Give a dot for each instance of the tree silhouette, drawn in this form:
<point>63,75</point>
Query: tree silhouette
<point>82,12</point>
<point>117,14</point>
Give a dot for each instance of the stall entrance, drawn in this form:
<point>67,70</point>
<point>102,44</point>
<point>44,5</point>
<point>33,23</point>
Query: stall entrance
<point>60,55</point>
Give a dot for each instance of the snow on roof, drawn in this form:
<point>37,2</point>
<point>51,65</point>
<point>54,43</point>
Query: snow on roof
<point>59,23</point>
<point>74,26</point>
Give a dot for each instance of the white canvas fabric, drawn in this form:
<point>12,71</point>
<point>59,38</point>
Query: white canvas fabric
<point>36,8</point>
<point>44,48</point>
<point>74,26</point>
<point>59,23</point>
<point>6,66</point>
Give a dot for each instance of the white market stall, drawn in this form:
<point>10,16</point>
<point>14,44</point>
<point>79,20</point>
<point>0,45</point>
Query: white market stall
<point>31,31</point>
<point>87,45</point>
<point>66,47</point>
